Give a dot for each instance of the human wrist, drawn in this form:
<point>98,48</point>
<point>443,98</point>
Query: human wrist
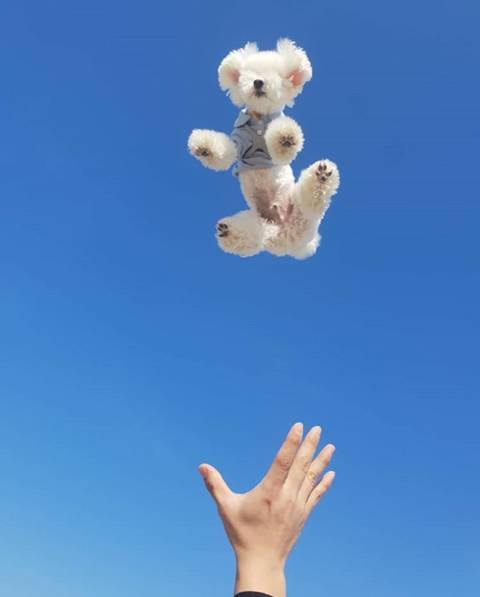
<point>260,573</point>
<point>260,557</point>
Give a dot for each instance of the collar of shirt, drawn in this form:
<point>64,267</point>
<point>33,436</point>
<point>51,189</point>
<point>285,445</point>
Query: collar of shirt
<point>244,117</point>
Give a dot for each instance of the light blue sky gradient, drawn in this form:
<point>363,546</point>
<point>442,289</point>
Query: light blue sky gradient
<point>133,349</point>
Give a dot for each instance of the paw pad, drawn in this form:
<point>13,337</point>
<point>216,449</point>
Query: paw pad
<point>203,151</point>
<point>287,141</point>
<point>322,171</point>
<point>222,229</point>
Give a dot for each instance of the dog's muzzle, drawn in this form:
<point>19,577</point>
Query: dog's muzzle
<point>258,84</point>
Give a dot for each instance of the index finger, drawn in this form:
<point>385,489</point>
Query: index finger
<point>278,471</point>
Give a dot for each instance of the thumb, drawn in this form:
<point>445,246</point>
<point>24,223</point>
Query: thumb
<point>215,483</point>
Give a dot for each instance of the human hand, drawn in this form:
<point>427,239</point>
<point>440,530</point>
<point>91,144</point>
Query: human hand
<point>264,523</point>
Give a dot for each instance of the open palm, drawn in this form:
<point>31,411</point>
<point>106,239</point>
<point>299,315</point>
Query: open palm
<point>268,519</point>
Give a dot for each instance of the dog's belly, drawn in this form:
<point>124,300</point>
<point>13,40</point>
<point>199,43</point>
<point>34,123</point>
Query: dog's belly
<point>269,191</point>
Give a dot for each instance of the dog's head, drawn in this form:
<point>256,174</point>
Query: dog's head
<point>265,81</point>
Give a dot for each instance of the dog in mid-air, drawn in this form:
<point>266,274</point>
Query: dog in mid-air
<point>283,215</point>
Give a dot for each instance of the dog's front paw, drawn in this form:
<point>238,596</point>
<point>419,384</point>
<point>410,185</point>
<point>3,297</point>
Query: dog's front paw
<point>201,146</point>
<point>284,139</point>
<point>222,230</point>
<point>215,150</point>
<point>202,151</point>
<point>288,141</point>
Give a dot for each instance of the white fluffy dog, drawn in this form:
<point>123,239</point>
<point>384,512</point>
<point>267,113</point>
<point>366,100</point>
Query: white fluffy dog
<point>283,215</point>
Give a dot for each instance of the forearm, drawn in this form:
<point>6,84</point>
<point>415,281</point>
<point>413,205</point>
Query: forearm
<point>258,575</point>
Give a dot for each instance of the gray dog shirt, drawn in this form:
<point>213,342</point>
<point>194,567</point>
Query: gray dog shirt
<point>248,136</point>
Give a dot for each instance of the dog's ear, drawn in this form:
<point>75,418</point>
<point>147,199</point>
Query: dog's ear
<point>231,65</point>
<point>297,67</point>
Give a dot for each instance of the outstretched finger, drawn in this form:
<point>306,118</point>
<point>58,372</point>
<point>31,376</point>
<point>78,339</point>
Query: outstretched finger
<point>302,461</point>
<point>215,484</point>
<point>278,471</point>
<point>319,491</point>
<point>315,472</point>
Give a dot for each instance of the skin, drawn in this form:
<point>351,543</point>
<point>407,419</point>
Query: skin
<point>263,524</point>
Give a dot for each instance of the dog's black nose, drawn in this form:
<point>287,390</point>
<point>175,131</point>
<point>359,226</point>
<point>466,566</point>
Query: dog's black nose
<point>258,83</point>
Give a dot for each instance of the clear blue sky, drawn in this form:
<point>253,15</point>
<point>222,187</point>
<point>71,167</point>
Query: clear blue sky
<point>133,349</point>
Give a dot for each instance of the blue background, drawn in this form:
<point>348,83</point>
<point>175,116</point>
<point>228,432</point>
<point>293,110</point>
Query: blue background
<point>133,349</point>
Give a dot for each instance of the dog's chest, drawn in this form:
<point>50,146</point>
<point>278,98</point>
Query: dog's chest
<point>255,148</point>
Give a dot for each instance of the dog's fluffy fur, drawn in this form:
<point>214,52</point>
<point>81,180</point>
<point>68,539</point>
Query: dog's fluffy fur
<point>283,215</point>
